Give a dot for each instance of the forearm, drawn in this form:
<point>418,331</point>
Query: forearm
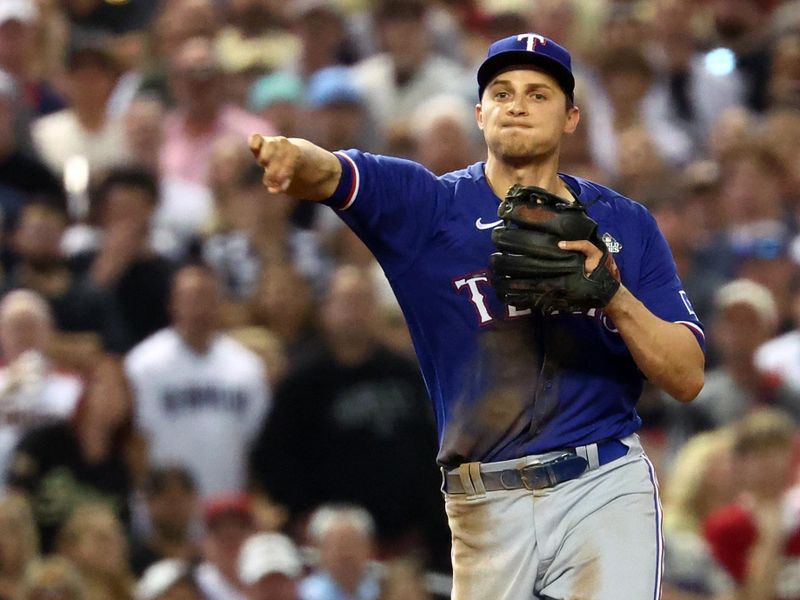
<point>667,353</point>
<point>762,569</point>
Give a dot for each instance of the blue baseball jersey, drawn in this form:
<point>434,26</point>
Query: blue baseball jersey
<point>504,382</point>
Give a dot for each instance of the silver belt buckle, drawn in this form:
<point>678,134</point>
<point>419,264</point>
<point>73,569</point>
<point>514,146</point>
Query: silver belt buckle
<point>530,474</point>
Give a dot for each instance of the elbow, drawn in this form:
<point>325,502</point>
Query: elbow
<point>689,387</point>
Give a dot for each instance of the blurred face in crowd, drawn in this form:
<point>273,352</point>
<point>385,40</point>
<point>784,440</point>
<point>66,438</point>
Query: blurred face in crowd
<point>275,586</point>
<point>17,43</point>
<point>99,546</point>
<point>321,34</point>
<point>37,238</point>
<point>225,535</point>
<point>638,155</point>
<point>172,509</point>
<point>766,471</point>
<point>784,83</point>
<point>144,129</point>
<point>750,192</point>
<point>108,398</point>
<point>350,309</point>
<point>196,79</point>
<point>183,20</point>
<point>284,301</point>
<point>196,303</point>
<point>734,18</point>
<point>91,80</point>
<point>344,552</point>
<point>338,125</point>
<point>25,324</point>
<point>444,146</point>
<point>522,115</point>
<point>130,208</point>
<point>407,40</point>
<point>739,330</point>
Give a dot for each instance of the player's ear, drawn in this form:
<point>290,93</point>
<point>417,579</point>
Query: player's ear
<point>479,116</point>
<point>573,118</point>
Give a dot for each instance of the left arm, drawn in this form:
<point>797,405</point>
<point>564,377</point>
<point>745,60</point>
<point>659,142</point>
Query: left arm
<point>667,353</point>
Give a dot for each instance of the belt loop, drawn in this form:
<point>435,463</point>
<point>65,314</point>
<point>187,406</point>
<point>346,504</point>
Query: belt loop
<point>591,454</point>
<point>470,476</point>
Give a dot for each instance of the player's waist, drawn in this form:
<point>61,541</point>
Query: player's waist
<point>534,472</point>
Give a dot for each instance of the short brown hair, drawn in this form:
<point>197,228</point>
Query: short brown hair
<point>765,429</point>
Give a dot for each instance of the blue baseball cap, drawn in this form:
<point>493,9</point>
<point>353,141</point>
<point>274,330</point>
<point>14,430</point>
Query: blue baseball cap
<point>528,49</point>
<point>332,85</point>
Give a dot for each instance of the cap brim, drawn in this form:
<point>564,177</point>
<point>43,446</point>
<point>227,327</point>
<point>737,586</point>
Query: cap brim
<point>502,61</point>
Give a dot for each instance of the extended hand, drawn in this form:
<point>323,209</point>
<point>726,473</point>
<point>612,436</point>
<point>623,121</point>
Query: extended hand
<point>280,159</point>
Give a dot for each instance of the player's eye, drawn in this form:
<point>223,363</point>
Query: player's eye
<point>539,96</point>
<point>501,95</point>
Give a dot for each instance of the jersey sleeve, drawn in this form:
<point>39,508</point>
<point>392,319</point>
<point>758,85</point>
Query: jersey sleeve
<point>392,204</point>
<point>659,287</point>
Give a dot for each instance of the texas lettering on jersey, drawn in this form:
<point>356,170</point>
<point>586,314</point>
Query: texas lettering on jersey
<point>432,237</point>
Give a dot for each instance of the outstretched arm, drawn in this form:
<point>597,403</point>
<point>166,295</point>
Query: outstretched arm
<point>296,166</point>
<point>667,353</point>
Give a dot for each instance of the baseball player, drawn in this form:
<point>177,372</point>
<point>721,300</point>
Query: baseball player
<point>547,490</point>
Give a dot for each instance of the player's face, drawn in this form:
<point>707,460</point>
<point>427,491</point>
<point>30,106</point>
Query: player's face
<point>523,115</point>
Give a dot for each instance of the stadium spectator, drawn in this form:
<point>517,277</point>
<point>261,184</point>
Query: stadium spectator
<point>19,24</point>
<point>171,503</point>
<point>284,303</point>
<point>22,174</point>
<point>201,114</point>
<point>742,27</point>
<point>94,540</point>
<point>32,391</point>
<point>229,521</point>
<point>337,110</point>
<point>85,129</point>
<point>270,567</point>
<point>199,395</point>
<point>126,265</point>
<point>746,317</point>
<point>700,480</point>
<point>344,538</point>
<point>354,408</point>
<point>756,537</point>
<point>776,359</point>
<point>184,208</point>
<point>91,457</point>
<point>396,80</point>
<point>323,37</point>
<point>19,543</point>
<point>277,97</point>
<point>248,234</point>
<point>87,320</point>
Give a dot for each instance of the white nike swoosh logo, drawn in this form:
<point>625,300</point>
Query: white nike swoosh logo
<point>480,225</point>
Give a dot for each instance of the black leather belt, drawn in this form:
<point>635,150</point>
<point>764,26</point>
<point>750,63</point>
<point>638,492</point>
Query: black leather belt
<point>537,475</point>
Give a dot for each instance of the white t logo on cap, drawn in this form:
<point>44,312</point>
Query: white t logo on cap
<point>533,39</point>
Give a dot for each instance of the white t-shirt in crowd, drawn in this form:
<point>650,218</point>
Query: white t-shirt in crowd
<point>781,357</point>
<point>31,394</point>
<point>199,410</point>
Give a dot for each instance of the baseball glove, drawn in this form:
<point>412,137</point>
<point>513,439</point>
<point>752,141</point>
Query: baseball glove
<point>530,271</point>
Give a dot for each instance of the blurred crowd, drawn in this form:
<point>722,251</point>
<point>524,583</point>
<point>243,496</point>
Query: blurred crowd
<point>209,393</point>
